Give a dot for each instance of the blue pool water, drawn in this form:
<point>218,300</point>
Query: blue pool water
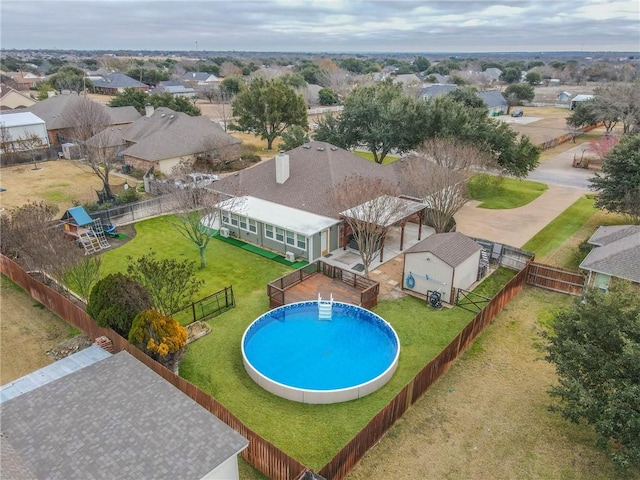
<point>291,346</point>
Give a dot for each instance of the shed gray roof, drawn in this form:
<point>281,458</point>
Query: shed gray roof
<point>314,171</point>
<point>617,252</point>
<point>452,248</point>
<point>115,419</point>
<point>166,134</point>
<point>117,80</point>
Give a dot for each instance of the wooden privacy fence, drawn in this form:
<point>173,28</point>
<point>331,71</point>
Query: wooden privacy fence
<point>345,459</point>
<point>263,455</point>
<point>555,278</point>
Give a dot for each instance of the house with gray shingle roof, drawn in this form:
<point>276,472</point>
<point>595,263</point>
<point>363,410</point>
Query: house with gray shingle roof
<point>441,262</point>
<point>495,101</point>
<point>200,78</point>
<point>57,113</point>
<point>114,418</point>
<point>284,203</point>
<point>163,138</point>
<point>616,255</point>
<point>115,83</point>
<point>437,89</point>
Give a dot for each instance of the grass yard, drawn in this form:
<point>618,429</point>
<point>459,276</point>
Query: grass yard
<point>499,193</point>
<point>488,417</point>
<point>310,433</point>
<point>563,227</point>
<point>369,156</point>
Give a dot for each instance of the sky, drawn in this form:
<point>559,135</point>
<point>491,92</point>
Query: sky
<point>331,26</point>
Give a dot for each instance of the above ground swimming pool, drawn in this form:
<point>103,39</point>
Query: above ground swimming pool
<point>327,354</point>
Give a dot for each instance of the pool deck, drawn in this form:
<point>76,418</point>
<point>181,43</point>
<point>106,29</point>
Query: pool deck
<point>325,286</point>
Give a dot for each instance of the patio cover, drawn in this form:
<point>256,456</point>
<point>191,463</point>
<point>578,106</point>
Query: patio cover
<point>400,209</point>
<point>288,218</point>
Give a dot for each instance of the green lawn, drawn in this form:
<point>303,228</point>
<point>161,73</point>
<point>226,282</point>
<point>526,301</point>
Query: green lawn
<point>310,433</point>
<point>369,156</point>
<point>562,227</point>
<point>499,193</point>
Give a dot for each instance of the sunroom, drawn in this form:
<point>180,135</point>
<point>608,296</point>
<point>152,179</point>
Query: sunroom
<point>290,231</point>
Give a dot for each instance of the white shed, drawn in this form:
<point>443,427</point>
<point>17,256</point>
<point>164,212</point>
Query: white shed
<point>441,262</point>
<point>22,126</point>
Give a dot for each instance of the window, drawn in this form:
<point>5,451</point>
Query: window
<point>234,220</point>
<point>253,226</point>
<point>268,231</point>
<point>243,223</point>
<point>225,218</point>
<point>279,234</point>
<point>291,238</point>
<point>302,242</point>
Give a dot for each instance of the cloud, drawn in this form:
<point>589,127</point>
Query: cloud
<point>322,25</point>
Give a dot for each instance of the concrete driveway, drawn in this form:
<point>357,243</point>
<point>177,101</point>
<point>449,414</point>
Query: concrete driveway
<point>516,226</point>
<point>559,171</point>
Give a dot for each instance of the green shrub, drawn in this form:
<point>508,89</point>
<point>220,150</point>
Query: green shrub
<point>116,300</point>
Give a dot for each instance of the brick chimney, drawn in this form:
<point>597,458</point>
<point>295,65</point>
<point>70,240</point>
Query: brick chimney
<point>282,168</point>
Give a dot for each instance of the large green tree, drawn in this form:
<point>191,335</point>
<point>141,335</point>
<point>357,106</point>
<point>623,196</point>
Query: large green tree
<point>595,347</point>
<point>138,99</point>
<point>516,93</point>
<point>448,118</point>
<point>70,78</point>
<point>267,108</point>
<point>382,118</point>
<point>618,185</point>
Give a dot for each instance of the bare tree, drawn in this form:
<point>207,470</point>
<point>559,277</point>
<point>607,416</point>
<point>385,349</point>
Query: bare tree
<point>83,275</point>
<point>32,238</point>
<point>438,175</point>
<point>99,144</point>
<point>369,207</point>
<point>196,211</point>
<point>620,101</point>
<point>29,145</point>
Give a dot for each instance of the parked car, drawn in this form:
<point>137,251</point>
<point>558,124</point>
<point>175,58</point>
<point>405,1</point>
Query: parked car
<point>517,112</point>
<point>194,180</point>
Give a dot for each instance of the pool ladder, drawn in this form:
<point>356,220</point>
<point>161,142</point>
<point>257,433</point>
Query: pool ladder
<point>325,307</point>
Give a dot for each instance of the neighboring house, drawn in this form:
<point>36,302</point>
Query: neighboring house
<point>285,203</point>
<point>115,83</point>
<point>11,99</point>
<point>444,79</point>
<point>437,89</point>
<point>57,112</point>
<point>200,78</point>
<point>407,79</point>
<point>102,416</point>
<point>616,256</point>
<point>24,80</point>
<point>163,138</point>
<point>493,74</point>
<point>495,101</point>
<point>579,98</point>
<point>563,96</point>
<point>442,262</point>
<point>174,88</point>
<point>22,131</point>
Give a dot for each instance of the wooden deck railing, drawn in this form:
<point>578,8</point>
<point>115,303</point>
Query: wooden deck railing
<point>369,289</point>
